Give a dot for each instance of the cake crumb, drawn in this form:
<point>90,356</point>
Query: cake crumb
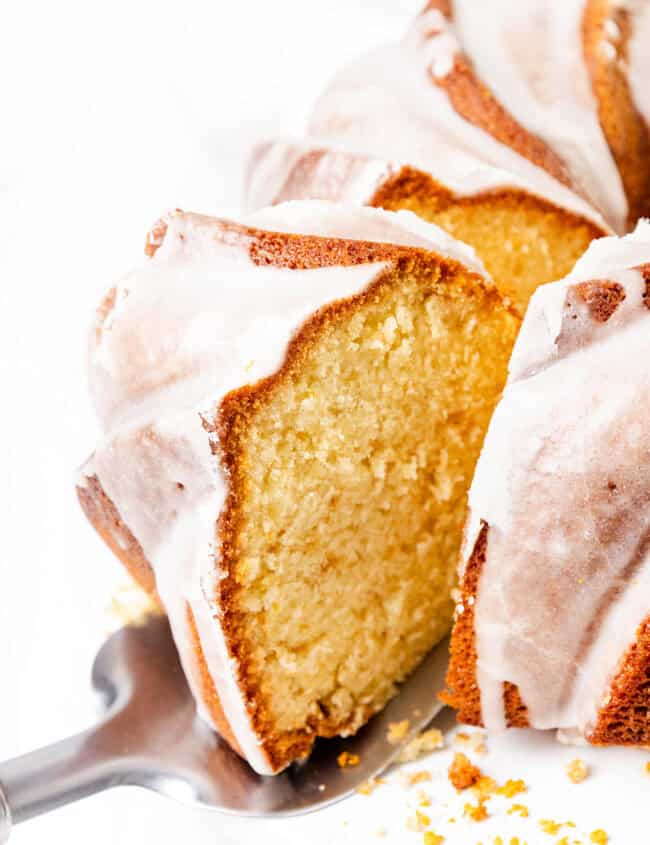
<point>474,741</point>
<point>577,770</point>
<point>430,740</point>
<point>550,827</point>
<point>369,786</point>
<point>646,768</point>
<point>418,822</point>
<point>462,772</point>
<point>521,809</point>
<point>411,778</point>
<point>346,760</point>
<point>512,787</point>
<point>423,799</point>
<point>380,832</point>
<point>397,731</point>
<point>485,787</point>
<point>599,837</point>
<point>476,812</point>
<point>431,838</point>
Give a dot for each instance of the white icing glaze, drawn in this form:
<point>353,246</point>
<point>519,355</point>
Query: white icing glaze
<point>562,483</point>
<point>189,325</point>
<point>531,56</point>
<point>639,55</point>
<point>340,176</point>
<point>386,105</point>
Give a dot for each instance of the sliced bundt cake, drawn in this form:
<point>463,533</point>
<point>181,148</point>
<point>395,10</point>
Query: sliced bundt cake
<point>552,93</point>
<point>522,238</point>
<point>518,128</point>
<point>553,620</point>
<point>292,409</point>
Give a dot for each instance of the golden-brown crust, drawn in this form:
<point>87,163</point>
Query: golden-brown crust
<point>625,718</point>
<point>601,297</point>
<point>463,692</point>
<point>310,177</point>
<point>104,517</point>
<point>230,425</point>
<point>462,688</point>
<point>474,101</point>
<point>625,130</point>
<point>410,183</point>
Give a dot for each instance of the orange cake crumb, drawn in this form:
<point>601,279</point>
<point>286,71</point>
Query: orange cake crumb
<point>550,827</point>
<point>411,778</point>
<point>418,822</point>
<point>577,770</point>
<point>599,837</point>
<point>397,731</point>
<point>476,812</point>
<point>522,809</point>
<point>462,772</point>
<point>431,838</point>
<point>345,759</point>
<point>512,787</point>
<point>646,768</point>
<point>485,787</point>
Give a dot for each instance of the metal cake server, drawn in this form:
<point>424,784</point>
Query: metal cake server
<point>150,736</point>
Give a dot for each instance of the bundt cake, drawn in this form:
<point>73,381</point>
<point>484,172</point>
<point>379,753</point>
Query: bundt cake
<point>293,407</point>
<point>501,122</point>
<point>552,624</point>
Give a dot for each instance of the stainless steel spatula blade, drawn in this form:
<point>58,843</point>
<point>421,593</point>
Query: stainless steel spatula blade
<point>150,736</point>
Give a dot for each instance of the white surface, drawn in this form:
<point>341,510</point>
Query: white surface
<point>112,113</point>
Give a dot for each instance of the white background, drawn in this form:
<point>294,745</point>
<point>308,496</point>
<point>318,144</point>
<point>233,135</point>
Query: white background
<point>111,113</point>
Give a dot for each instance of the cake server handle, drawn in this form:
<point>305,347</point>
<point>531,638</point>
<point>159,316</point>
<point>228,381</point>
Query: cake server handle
<point>58,774</point>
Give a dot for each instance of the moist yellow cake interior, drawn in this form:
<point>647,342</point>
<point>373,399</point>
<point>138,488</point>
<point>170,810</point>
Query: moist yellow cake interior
<point>522,243</point>
<point>357,468</point>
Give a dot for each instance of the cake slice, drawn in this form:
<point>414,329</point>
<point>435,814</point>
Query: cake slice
<point>553,620</point>
<point>522,129</point>
<point>523,237</point>
<point>553,94</point>
<point>292,409</point>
